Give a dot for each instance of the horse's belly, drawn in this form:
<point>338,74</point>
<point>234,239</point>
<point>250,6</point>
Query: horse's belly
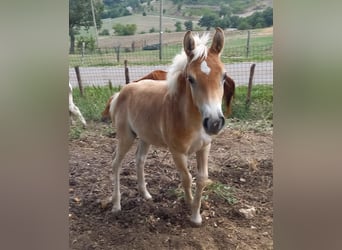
<point>151,135</point>
<point>153,140</point>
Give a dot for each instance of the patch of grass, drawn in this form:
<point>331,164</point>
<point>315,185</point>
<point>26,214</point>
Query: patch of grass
<point>93,101</point>
<point>220,191</point>
<point>261,103</point>
<point>257,115</point>
<point>75,132</point>
<point>215,190</point>
<point>261,49</point>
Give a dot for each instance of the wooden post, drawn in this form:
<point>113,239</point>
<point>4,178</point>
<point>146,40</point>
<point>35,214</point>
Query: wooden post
<point>117,51</point>
<point>251,74</point>
<point>126,72</point>
<point>78,75</point>
<point>247,46</point>
<point>110,84</point>
<point>160,29</point>
<point>133,46</point>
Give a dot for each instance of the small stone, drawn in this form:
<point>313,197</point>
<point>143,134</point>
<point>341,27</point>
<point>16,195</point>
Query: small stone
<point>105,203</point>
<point>249,213</point>
<point>77,199</point>
<point>205,213</point>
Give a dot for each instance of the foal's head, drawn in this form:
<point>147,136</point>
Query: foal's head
<point>205,75</point>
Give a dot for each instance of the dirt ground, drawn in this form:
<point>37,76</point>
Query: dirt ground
<point>238,159</point>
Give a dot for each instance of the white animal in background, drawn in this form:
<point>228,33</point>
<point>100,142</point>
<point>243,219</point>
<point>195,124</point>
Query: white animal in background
<point>73,109</point>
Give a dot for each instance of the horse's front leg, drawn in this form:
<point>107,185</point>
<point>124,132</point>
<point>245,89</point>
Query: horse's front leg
<point>201,182</point>
<point>181,161</point>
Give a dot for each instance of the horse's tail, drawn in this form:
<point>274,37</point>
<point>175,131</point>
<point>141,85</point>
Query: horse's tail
<point>112,106</point>
<point>105,113</point>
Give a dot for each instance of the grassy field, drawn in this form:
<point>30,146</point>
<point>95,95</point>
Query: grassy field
<point>144,24</point>
<point>256,116</point>
<point>261,49</point>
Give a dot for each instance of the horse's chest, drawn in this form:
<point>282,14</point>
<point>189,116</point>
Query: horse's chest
<point>198,141</point>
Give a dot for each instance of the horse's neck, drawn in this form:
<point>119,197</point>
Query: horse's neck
<point>182,101</point>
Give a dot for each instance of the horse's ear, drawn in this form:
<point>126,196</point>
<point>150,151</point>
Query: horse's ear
<point>229,91</point>
<point>218,41</point>
<point>189,44</point>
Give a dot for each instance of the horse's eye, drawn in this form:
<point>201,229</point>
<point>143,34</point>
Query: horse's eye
<point>191,80</point>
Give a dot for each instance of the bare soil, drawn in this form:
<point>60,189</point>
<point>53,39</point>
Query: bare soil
<point>238,159</point>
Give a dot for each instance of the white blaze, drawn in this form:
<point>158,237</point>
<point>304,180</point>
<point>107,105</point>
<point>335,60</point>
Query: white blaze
<point>204,67</point>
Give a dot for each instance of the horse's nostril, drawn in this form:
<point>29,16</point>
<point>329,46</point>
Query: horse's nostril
<point>222,121</point>
<point>205,123</point>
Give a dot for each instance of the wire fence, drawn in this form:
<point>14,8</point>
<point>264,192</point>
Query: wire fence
<point>106,64</point>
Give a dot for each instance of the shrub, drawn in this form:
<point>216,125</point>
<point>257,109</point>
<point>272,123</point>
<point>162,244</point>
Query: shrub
<point>188,25</point>
<point>125,30</point>
<point>178,26</point>
<point>104,32</point>
<point>88,41</point>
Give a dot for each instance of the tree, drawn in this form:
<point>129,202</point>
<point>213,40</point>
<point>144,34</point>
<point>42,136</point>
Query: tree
<point>223,22</point>
<point>125,30</point>
<point>80,15</point>
<point>235,21</point>
<point>268,16</point>
<point>178,26</point>
<point>188,25</point>
<point>225,11</point>
<point>208,20</point>
<point>244,25</point>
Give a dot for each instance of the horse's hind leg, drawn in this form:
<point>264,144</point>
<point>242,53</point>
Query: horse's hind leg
<point>140,156</point>
<point>124,144</point>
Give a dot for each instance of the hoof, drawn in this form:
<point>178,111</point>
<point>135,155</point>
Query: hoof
<point>147,196</point>
<point>196,220</point>
<point>116,209</point>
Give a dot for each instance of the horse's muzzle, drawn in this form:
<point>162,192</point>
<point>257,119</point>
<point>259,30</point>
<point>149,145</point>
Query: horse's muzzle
<point>213,126</point>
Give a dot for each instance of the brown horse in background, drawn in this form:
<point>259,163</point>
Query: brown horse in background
<point>154,75</point>
<point>181,113</point>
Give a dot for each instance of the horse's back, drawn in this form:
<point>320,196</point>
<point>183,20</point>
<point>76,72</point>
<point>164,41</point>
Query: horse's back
<point>143,93</point>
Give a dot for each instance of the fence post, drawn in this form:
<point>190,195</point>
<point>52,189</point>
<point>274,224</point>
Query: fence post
<point>133,46</point>
<point>251,74</point>
<point>83,50</point>
<point>117,51</point>
<point>78,75</point>
<point>160,29</point>
<point>110,84</point>
<point>126,72</point>
<point>247,47</point>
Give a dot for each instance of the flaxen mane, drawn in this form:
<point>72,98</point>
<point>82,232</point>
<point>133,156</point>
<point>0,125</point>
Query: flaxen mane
<point>181,60</point>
